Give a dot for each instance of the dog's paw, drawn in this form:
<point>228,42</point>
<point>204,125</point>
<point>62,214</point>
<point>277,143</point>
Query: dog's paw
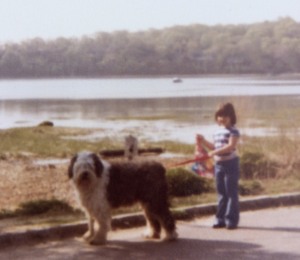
<point>171,236</point>
<point>98,239</point>
<point>151,235</point>
<point>155,236</point>
<point>87,236</point>
<point>97,242</point>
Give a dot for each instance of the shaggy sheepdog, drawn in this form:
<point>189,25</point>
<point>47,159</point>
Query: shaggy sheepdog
<point>102,186</point>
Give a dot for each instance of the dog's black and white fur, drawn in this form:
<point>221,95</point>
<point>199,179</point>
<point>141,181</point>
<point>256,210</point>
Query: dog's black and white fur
<point>102,186</point>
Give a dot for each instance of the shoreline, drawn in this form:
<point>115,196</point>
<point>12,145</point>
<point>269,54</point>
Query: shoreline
<point>287,75</point>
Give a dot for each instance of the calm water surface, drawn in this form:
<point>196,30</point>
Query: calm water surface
<point>125,105</point>
<point>144,88</point>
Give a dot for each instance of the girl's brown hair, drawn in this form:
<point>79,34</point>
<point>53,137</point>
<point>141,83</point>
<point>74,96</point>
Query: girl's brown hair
<point>226,110</point>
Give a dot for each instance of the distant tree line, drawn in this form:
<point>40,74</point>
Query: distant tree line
<point>268,47</point>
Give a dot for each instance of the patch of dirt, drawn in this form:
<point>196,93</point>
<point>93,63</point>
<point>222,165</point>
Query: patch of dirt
<point>22,181</point>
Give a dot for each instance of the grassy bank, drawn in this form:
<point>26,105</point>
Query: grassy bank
<point>62,142</point>
<point>280,153</point>
<point>48,142</point>
<point>264,157</point>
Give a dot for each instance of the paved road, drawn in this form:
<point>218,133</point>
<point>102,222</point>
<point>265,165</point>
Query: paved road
<point>263,234</point>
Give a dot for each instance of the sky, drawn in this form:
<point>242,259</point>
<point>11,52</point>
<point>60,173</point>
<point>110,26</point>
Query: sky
<point>21,20</point>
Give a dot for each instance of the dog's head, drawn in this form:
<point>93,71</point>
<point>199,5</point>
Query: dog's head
<point>85,168</point>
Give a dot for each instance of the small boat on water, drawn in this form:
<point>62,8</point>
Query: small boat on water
<point>177,80</point>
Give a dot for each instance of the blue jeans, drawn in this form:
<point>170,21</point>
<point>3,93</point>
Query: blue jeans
<point>227,177</point>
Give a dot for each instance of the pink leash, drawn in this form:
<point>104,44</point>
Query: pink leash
<point>198,159</point>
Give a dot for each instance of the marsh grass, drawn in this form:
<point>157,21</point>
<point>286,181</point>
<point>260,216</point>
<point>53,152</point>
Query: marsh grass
<point>281,153</point>
<point>47,142</point>
<point>281,150</point>
<point>176,147</point>
<point>60,142</point>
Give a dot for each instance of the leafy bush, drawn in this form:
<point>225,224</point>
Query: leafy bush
<point>4,213</point>
<point>182,182</point>
<point>256,165</point>
<point>44,206</point>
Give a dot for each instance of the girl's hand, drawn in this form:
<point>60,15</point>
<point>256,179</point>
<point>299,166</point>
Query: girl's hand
<point>199,137</point>
<point>210,153</point>
<point>203,142</point>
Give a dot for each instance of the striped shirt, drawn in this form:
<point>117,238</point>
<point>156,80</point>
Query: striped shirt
<point>221,138</point>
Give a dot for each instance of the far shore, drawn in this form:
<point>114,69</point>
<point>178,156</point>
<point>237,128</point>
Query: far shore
<point>291,75</point>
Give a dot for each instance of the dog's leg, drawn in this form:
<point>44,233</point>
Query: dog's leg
<point>91,231</point>
<point>153,226</point>
<point>168,223</point>
<point>159,213</point>
<point>104,226</point>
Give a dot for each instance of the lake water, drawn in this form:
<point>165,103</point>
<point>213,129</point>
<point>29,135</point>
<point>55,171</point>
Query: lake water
<point>122,106</point>
<point>145,88</point>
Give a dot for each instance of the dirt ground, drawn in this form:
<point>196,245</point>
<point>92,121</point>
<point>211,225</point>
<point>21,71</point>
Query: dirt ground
<point>23,180</point>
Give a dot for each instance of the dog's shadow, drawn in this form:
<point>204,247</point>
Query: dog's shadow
<point>181,249</point>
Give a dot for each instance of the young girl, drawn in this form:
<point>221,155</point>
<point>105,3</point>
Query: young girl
<point>223,149</point>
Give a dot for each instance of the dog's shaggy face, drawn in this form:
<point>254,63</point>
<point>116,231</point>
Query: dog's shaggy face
<point>85,168</point>
<point>102,186</point>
